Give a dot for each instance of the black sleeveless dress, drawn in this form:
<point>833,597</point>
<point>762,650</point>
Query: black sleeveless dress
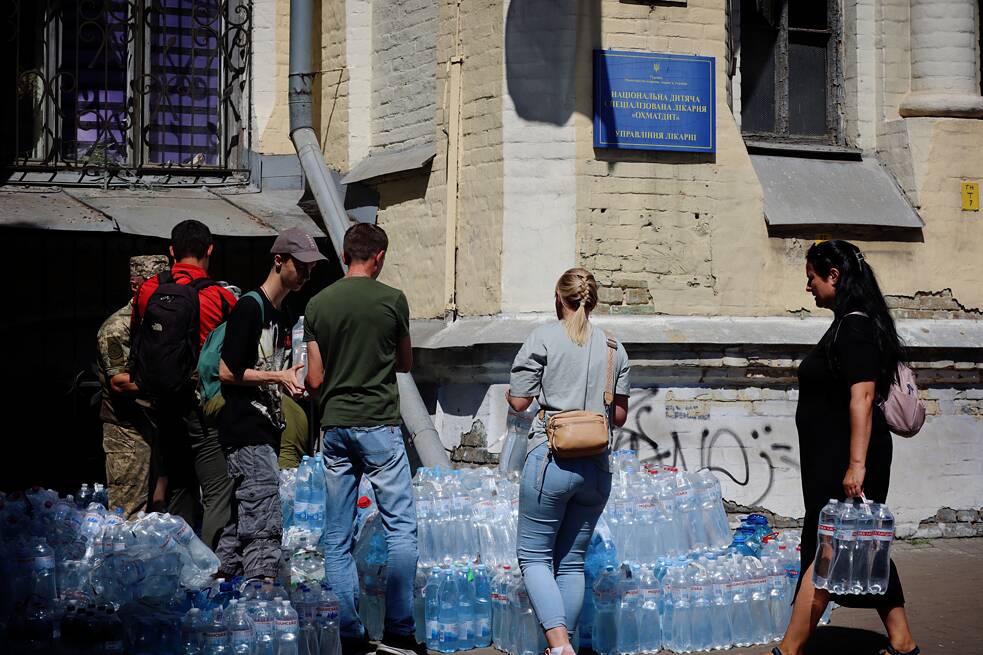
<point>823,422</point>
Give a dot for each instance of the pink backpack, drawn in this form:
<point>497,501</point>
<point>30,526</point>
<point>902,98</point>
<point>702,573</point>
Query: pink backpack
<point>903,409</point>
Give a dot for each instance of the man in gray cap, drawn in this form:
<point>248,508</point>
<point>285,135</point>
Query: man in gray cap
<point>127,434</point>
<point>253,378</point>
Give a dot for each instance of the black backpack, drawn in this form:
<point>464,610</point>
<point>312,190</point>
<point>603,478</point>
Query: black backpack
<point>164,353</point>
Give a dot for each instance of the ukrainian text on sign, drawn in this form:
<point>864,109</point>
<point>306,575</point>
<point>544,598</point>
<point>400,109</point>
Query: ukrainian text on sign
<point>651,101</point>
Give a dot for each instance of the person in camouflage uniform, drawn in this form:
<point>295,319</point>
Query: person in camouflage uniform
<point>127,434</point>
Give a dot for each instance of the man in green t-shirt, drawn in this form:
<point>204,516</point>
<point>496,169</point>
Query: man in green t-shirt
<point>357,334</point>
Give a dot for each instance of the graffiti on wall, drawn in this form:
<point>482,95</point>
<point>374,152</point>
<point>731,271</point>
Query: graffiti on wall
<point>741,455</point>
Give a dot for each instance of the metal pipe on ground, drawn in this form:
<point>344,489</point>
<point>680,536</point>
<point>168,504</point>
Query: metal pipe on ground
<point>423,436</point>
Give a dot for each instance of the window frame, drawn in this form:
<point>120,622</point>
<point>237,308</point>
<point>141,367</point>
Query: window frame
<point>136,123</point>
<point>834,135</point>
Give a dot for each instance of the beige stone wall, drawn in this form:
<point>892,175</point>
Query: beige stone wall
<point>331,86</point>
<point>668,232</point>
<point>271,66</point>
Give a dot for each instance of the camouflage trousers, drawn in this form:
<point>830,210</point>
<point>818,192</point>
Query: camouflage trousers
<point>127,467</point>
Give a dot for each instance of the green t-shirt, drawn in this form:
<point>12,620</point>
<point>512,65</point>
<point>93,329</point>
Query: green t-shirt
<point>357,323</point>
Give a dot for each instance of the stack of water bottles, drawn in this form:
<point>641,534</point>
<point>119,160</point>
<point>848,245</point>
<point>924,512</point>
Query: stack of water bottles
<point>303,498</point>
<point>263,621</point>
<point>454,610</point>
<point>853,553</point>
<point>464,514</point>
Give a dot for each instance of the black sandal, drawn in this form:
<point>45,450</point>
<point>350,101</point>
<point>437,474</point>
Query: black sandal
<point>776,651</point>
<point>891,650</point>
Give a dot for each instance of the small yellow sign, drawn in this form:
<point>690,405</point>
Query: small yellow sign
<point>971,196</point>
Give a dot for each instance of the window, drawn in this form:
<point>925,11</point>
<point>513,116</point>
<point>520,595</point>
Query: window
<point>139,84</point>
<point>790,70</point>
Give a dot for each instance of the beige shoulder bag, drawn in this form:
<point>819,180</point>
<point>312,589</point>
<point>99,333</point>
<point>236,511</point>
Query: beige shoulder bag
<point>579,433</point>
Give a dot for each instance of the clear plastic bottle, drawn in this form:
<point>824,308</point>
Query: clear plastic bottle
<point>191,637</point>
<point>448,626</point>
<point>465,610</point>
<point>700,591</point>
<point>649,618</point>
<point>217,635</point>
<point>482,607</point>
<point>287,630</point>
<point>880,565</point>
<point>845,545</point>
<point>825,539</point>
<point>526,626</point>
<point>432,608</point>
<point>604,637</point>
<point>758,600</point>
<point>242,631</point>
<point>741,622</point>
<point>860,576</point>
<point>264,621</point>
<point>720,607</point>
<point>629,610</point>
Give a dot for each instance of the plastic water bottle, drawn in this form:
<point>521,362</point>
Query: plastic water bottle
<point>700,591</point>
<point>217,635</point>
<point>604,637</point>
<point>741,622</point>
<point>777,598</point>
<point>649,619</point>
<point>242,632</point>
<point>448,627</point>
<point>880,563</point>
<point>526,626</point>
<point>824,544</point>
<point>264,623</point>
<point>317,498</point>
<point>720,607</point>
<point>326,618</point>
<point>432,608</point>
<point>629,610</point>
<point>758,600</point>
<point>287,629</point>
<point>482,607</point>
<point>845,544</point>
<point>191,635</point>
<point>860,575</point>
<point>299,349</point>
<point>465,610</point>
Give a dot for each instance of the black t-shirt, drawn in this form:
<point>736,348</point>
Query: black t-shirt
<point>840,359</point>
<point>253,415</point>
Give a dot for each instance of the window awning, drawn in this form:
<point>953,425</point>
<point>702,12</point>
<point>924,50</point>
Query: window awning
<point>227,211</point>
<point>802,191</point>
<point>386,162</point>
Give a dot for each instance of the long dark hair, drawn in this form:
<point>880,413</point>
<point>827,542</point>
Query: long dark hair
<point>857,291</point>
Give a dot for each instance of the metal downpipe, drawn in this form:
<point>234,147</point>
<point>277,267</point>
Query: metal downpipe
<point>422,434</point>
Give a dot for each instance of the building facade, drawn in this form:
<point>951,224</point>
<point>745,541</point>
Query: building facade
<point>858,119</point>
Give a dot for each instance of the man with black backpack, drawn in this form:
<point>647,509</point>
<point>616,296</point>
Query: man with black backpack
<point>173,313</point>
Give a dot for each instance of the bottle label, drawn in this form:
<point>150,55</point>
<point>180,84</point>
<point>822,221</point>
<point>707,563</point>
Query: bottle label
<point>631,593</point>
<point>216,636</point>
<point>653,592</point>
<point>242,637</point>
<point>183,534</point>
<point>865,535</point>
<point>329,612</point>
<point>845,534</point>
<point>447,633</point>
<point>467,629</point>
<point>264,625</point>
<point>883,535</point>
<point>721,589</point>
<point>826,530</point>
<point>696,589</point>
<point>484,627</point>
<point>433,630</point>
<point>646,506</point>
<point>283,625</point>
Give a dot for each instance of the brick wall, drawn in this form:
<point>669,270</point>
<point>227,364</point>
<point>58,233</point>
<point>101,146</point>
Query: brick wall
<point>404,62</point>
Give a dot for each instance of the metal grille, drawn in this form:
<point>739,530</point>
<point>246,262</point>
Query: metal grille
<point>124,84</point>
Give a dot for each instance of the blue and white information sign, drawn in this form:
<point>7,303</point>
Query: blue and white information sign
<point>651,101</point>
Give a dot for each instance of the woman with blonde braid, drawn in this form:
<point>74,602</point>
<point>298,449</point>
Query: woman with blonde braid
<point>563,365</point>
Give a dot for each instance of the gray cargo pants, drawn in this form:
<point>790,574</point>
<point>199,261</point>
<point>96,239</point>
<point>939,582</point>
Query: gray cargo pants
<point>250,541</point>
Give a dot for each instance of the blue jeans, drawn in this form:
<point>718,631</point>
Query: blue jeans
<point>379,454</point>
<point>558,509</point>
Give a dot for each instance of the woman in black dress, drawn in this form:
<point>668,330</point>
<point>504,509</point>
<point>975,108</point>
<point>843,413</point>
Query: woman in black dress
<point>844,442</point>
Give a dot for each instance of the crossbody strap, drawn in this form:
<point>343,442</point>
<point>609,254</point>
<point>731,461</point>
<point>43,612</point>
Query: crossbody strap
<point>609,384</point>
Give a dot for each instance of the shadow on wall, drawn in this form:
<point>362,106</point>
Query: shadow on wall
<point>541,57</point>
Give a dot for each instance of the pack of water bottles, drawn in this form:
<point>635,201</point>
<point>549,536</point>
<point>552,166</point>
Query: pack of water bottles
<point>303,497</point>
<point>464,515</point>
<point>853,552</point>
<point>262,620</point>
